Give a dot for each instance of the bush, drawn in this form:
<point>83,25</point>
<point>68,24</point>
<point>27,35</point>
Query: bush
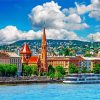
<point>59,72</point>
<point>8,70</point>
<point>51,71</point>
<point>30,70</point>
<point>84,70</point>
<point>73,69</point>
<point>96,69</point>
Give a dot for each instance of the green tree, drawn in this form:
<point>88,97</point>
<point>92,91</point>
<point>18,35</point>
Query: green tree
<point>96,69</point>
<point>60,69</point>
<point>30,70</point>
<point>34,70</point>
<point>58,75</point>
<point>66,52</point>
<point>8,70</point>
<point>51,71</point>
<point>2,70</point>
<point>73,68</point>
<point>84,70</point>
<point>27,70</point>
<point>59,72</point>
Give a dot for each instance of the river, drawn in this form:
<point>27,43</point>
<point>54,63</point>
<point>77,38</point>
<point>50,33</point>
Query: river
<point>50,92</point>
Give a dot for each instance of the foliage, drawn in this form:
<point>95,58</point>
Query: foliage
<point>60,69</point>
<point>96,69</point>
<point>88,55</point>
<point>51,71</point>
<point>58,75</point>
<point>84,70</point>
<point>59,72</point>
<point>73,69</point>
<point>30,70</point>
<point>8,70</point>
<point>66,52</point>
<point>34,70</point>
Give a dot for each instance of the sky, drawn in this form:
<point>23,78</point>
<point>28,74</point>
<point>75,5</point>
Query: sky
<point>63,19</point>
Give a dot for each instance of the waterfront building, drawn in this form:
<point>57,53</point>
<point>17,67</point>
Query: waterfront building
<point>89,62</point>
<point>58,60</point>
<point>11,58</point>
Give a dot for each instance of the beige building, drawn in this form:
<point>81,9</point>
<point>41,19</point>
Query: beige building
<point>58,60</point>
<point>11,58</point>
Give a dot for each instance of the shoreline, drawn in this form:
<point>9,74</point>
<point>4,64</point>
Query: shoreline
<point>29,82</point>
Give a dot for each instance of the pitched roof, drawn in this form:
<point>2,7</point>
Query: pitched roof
<point>25,49</point>
<point>23,60</point>
<point>8,54</point>
<point>33,59</point>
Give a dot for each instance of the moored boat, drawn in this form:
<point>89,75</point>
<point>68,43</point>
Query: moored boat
<point>82,78</point>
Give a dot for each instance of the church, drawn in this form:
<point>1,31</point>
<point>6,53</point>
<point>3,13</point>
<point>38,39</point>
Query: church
<point>39,60</point>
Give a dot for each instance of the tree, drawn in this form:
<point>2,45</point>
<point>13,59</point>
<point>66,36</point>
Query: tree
<point>59,72</point>
<point>73,68</point>
<point>8,70</point>
<point>96,69</point>
<point>30,70</point>
<point>84,70</point>
<point>34,70</point>
<point>60,69</point>
<point>66,52</point>
<point>2,70</point>
<point>58,75</point>
<point>51,71</point>
<point>27,70</point>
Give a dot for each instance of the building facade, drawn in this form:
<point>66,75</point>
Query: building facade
<point>58,61</point>
<point>11,58</point>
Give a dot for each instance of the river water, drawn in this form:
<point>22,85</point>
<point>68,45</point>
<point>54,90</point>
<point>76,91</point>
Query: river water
<point>50,92</point>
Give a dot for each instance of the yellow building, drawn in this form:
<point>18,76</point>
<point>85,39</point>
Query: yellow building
<point>58,60</point>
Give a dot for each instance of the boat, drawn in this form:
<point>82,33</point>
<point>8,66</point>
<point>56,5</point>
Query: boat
<point>82,78</point>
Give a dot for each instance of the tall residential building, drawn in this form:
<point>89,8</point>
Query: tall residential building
<point>44,66</point>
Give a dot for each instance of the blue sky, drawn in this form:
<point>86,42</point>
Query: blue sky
<point>16,13</point>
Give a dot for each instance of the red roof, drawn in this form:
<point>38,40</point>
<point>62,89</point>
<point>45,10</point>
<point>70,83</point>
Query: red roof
<point>23,60</point>
<point>25,49</point>
<point>33,59</point>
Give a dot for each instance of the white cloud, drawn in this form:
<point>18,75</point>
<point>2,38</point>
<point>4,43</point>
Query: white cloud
<point>50,13</point>
<point>82,9</point>
<point>11,34</point>
<point>96,36</point>
<point>73,18</point>
<point>93,9</point>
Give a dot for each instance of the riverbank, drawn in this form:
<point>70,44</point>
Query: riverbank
<point>27,80</point>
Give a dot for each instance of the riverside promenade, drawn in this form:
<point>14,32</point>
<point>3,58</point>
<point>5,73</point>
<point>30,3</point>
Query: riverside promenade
<point>27,80</point>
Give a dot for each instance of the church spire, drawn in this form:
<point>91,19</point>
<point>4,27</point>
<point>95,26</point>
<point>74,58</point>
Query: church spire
<point>44,53</point>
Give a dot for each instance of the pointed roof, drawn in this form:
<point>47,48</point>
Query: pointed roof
<point>25,49</point>
<point>44,37</point>
<point>23,60</point>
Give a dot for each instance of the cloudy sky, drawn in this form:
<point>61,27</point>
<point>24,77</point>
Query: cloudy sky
<point>63,19</point>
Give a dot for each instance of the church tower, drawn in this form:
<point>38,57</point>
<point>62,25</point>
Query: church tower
<point>44,67</point>
<point>25,53</point>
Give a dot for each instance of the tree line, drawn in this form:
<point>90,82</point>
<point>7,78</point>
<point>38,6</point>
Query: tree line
<point>53,72</point>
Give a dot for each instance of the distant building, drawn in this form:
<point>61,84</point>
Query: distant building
<point>58,61</point>
<point>89,62</point>
<point>11,58</point>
